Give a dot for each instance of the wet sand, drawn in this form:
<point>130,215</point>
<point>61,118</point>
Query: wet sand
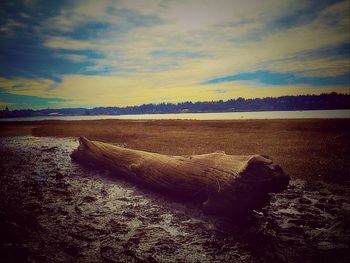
<point>55,210</point>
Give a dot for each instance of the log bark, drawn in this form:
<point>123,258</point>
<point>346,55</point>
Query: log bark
<point>230,185</point>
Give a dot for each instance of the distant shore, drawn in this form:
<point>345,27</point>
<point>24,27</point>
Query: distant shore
<point>248,115</point>
<point>330,101</point>
<point>306,149</point>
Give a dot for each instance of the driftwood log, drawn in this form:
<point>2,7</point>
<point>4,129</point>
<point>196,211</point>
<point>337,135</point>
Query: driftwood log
<point>230,185</point>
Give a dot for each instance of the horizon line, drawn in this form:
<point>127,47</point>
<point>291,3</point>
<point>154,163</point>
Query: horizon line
<point>176,103</point>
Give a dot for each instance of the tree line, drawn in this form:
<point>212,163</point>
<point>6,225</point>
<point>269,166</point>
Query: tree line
<point>284,103</point>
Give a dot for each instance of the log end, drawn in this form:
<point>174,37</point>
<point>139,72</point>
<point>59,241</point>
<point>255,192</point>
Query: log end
<point>250,190</point>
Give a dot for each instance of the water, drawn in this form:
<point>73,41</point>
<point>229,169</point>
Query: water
<point>309,114</point>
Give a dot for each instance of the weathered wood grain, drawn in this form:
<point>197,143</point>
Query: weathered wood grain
<point>226,184</point>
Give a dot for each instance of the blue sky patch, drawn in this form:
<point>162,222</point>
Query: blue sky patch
<point>330,52</point>
<point>276,78</point>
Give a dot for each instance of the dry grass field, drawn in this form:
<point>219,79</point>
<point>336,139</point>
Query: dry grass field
<point>306,149</point>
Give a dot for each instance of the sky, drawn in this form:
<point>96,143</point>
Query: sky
<point>90,53</point>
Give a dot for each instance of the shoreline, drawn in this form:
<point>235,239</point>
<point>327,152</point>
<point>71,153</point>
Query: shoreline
<point>215,116</point>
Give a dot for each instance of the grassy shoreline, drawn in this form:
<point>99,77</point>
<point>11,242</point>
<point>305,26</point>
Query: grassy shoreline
<point>311,149</point>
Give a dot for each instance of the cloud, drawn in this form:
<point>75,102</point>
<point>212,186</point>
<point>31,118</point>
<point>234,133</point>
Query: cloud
<point>133,49</point>
<point>27,102</point>
<point>27,87</point>
<point>75,57</point>
<point>77,13</point>
<point>68,44</point>
<point>10,26</point>
<point>222,90</point>
<point>129,52</point>
<point>25,15</point>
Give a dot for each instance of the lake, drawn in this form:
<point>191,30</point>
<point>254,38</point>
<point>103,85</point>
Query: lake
<point>309,114</point>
